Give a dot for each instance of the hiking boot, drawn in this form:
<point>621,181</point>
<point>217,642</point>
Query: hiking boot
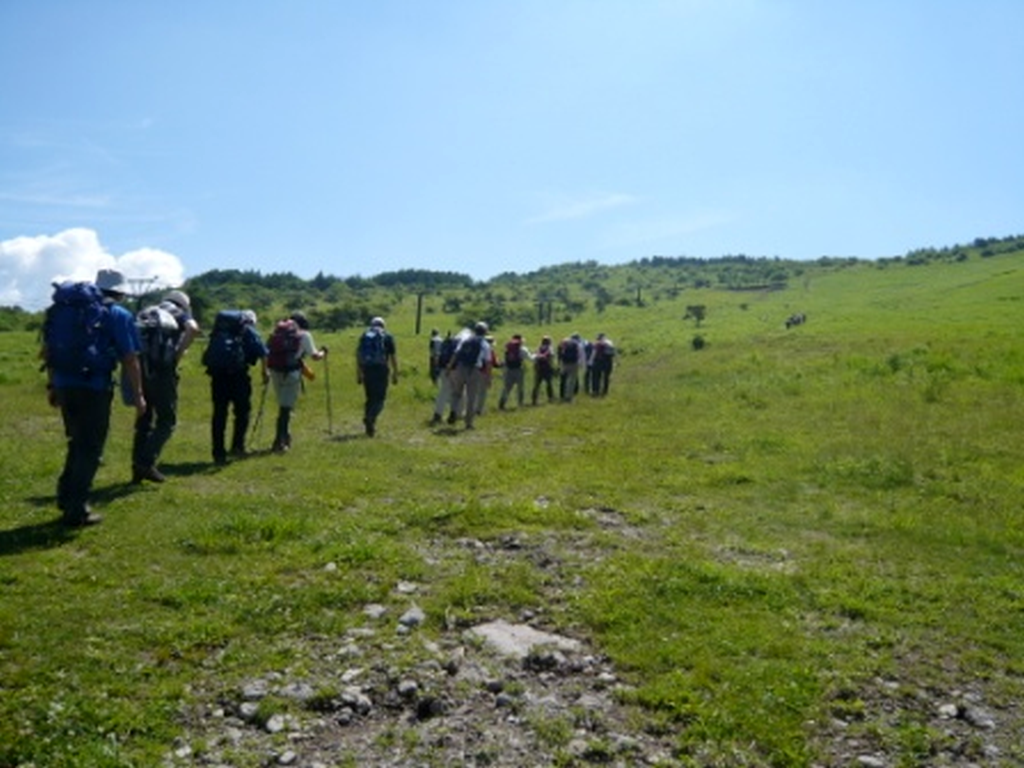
<point>452,417</point>
<point>220,459</point>
<point>371,430</point>
<point>152,474</point>
<point>436,419</point>
<point>84,517</point>
<point>239,453</point>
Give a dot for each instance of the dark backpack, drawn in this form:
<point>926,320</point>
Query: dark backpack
<point>371,348</point>
<point>284,347</point>
<point>77,333</point>
<point>447,352</point>
<point>513,354</point>
<point>225,352</point>
<point>160,333</point>
<point>468,352</point>
<point>570,352</point>
<point>542,359</point>
<point>603,351</point>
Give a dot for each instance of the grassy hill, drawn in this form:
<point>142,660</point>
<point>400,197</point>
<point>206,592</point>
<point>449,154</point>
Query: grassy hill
<point>795,546</point>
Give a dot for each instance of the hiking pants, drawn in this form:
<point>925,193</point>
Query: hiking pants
<point>546,377</point>
<point>375,384</point>
<point>444,392</point>
<point>600,377</point>
<point>467,383</point>
<point>235,390</point>
<point>86,416</point>
<point>513,380</point>
<point>154,428</point>
<point>569,383</point>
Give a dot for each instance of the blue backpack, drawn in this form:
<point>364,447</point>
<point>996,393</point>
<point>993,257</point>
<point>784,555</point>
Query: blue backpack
<point>225,352</point>
<point>77,333</point>
<point>371,348</point>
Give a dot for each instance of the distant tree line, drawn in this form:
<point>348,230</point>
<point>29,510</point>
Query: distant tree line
<point>550,294</point>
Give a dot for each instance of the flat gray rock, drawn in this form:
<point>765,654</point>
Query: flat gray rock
<point>518,640</point>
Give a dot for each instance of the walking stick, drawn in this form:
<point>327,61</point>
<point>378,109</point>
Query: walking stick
<point>258,423</point>
<point>327,385</point>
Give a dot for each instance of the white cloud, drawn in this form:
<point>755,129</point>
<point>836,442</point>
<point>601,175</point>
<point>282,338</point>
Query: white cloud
<point>29,265</point>
<point>582,209</point>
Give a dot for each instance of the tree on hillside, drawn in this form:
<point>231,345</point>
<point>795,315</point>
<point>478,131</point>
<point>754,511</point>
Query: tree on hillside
<point>696,312</point>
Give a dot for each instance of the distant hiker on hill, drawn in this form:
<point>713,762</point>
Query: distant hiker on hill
<point>472,354</point>
<point>544,369</point>
<point>235,345</point>
<point>570,356</point>
<point>85,335</point>
<point>516,358</point>
<point>375,357</point>
<point>167,331</point>
<point>434,347</point>
<point>602,357</point>
<point>289,345</point>
<point>487,380</point>
<point>444,377</point>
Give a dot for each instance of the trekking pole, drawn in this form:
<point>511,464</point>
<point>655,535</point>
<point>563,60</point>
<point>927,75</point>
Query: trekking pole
<point>327,385</point>
<point>258,423</point>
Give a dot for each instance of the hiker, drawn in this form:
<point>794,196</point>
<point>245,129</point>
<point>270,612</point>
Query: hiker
<point>235,345</point>
<point>435,354</point>
<point>85,335</point>
<point>570,354</point>
<point>471,355</point>
<point>444,378</point>
<point>586,362</point>
<point>487,379</point>
<point>516,357</point>
<point>375,358</point>
<point>288,347</point>
<point>601,362</point>
<point>544,369</point>
<point>166,330</point>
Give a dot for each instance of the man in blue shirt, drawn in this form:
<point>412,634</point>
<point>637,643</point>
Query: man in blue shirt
<point>85,396</point>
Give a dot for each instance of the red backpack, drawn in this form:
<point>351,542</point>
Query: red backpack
<point>284,347</point>
<point>514,354</point>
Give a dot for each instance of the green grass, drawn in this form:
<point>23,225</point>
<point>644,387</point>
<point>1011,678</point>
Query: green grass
<point>753,532</point>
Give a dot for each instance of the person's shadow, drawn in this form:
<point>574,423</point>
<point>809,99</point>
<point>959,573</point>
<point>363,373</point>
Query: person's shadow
<point>26,538</point>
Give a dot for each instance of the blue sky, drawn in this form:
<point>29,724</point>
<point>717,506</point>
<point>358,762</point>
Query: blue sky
<point>356,137</point>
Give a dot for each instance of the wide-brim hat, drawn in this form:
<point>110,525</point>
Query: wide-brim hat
<point>111,281</point>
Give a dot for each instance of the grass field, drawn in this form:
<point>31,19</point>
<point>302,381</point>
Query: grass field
<point>797,515</point>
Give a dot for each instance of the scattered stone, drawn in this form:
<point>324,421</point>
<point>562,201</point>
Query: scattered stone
<point>275,723</point>
<point>412,617</point>
<point>256,689</point>
<point>429,707</point>
<point>518,640</point>
<point>870,761</point>
<point>297,691</point>
<point>287,758</point>
<point>979,718</point>
<point>357,700</point>
<point>375,610</point>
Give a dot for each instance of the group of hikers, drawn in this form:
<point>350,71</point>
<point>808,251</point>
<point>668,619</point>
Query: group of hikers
<point>88,334</point>
<point>463,367</point>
